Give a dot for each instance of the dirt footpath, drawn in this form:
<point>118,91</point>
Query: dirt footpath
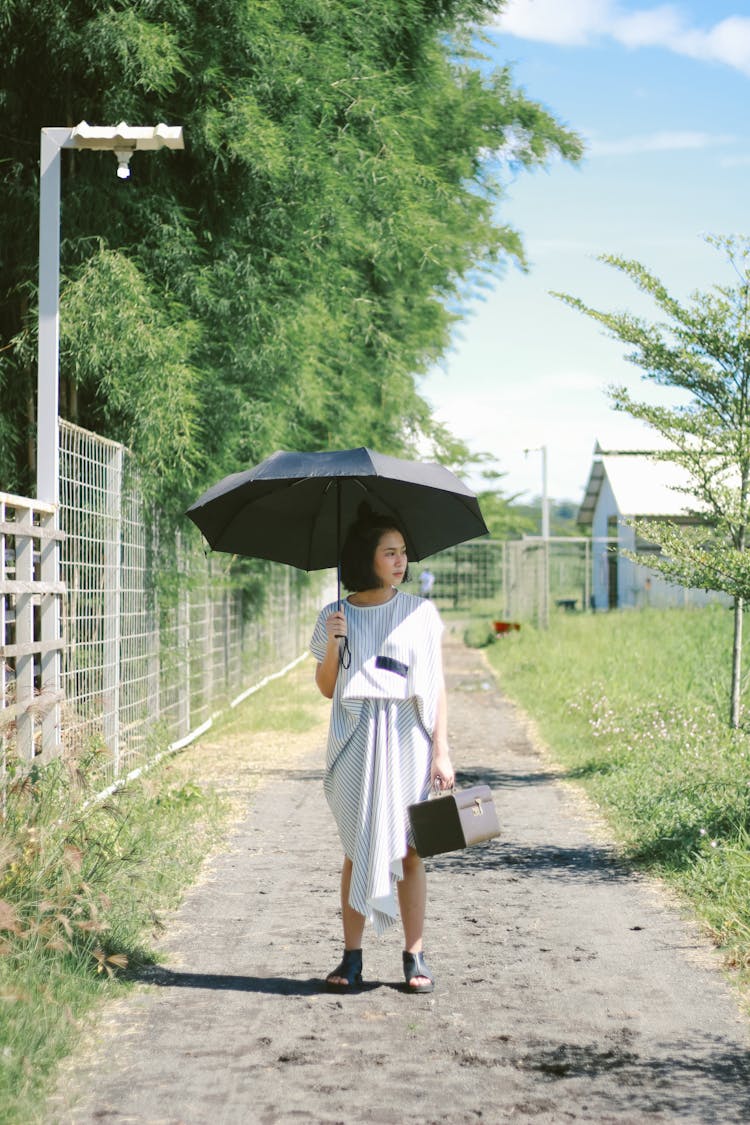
<point>567,989</point>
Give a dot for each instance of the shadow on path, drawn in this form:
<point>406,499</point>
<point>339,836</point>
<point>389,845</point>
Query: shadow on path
<point>683,1079</point>
<point>271,986</point>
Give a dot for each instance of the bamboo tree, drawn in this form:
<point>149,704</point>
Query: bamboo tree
<point>288,279</point>
<point>703,349</point>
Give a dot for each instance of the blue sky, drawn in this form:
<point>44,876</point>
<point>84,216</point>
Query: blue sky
<point>660,94</point>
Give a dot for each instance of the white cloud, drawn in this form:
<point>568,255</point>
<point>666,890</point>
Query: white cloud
<point>573,22</point>
<point>665,141</point>
<point>652,27</point>
<point>583,22</point>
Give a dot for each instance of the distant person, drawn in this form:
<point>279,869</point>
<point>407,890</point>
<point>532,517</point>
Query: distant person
<point>426,583</point>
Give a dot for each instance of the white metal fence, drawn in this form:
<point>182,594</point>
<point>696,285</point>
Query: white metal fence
<point>119,636</point>
<point>156,636</point>
<point>30,593</point>
<point>529,579</point>
<point>160,635</point>
<point>521,580</point>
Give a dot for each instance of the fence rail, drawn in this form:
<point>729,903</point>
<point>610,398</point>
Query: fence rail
<point>119,636</point>
<point>30,596</point>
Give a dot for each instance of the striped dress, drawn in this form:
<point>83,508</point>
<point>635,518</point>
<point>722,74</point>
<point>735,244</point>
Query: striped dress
<point>380,739</point>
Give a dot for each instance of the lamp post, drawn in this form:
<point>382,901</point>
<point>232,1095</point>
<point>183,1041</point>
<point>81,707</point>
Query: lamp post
<point>545,496</point>
<point>123,140</point>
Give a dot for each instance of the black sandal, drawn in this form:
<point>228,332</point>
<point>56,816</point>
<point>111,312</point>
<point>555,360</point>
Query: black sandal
<point>414,966</point>
<point>350,969</point>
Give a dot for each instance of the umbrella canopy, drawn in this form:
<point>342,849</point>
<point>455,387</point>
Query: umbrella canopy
<point>292,507</point>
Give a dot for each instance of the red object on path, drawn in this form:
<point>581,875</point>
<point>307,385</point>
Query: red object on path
<point>505,626</point>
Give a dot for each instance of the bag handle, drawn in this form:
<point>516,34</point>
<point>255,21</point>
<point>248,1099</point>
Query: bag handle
<point>436,791</point>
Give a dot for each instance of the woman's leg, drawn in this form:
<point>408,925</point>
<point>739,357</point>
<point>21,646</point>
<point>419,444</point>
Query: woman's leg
<point>412,898</point>
<point>353,921</point>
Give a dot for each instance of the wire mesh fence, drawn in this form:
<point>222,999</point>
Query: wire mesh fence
<point>520,579</point>
<point>156,636</point>
<point>145,637</point>
<point>530,579</point>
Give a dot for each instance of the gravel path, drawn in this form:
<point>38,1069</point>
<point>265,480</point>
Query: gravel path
<point>568,989</point>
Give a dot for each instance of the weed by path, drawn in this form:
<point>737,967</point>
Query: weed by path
<point>81,892</point>
<point>632,705</point>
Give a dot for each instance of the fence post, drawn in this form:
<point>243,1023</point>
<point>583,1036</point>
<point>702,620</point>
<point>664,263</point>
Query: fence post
<point>3,667</point>
<point>112,584</point>
<point>544,615</point>
<point>154,633</point>
<point>24,636</point>
<point>207,664</point>
<point>50,660</point>
<point>183,638</point>
<point>226,617</point>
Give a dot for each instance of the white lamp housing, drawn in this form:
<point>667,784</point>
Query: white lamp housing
<point>124,140</point>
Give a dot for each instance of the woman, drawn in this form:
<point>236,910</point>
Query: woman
<point>387,743</point>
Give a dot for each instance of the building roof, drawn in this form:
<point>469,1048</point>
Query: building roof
<point>641,485</point>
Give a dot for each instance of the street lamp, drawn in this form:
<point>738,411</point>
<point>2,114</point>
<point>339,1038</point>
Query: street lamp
<point>123,140</point>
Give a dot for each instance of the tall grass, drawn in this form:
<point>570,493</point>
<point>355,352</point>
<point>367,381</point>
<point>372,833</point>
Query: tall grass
<point>84,889</point>
<point>81,890</point>
<point>634,706</point>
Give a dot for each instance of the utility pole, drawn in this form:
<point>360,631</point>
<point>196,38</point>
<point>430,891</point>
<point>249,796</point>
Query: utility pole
<point>544,593</point>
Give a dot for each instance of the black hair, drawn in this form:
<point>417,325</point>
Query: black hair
<point>358,552</point>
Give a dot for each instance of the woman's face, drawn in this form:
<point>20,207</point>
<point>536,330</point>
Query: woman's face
<point>389,562</point>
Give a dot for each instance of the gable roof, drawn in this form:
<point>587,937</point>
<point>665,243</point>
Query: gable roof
<point>641,486</point>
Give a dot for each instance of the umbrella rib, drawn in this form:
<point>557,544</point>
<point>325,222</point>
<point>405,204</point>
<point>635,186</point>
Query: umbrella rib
<point>314,520</point>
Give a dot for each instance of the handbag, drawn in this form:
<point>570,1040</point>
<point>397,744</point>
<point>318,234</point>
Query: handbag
<point>454,820</point>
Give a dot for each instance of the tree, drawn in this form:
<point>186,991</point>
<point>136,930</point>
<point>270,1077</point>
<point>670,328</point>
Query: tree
<point>293,273</point>
<point>703,349</point>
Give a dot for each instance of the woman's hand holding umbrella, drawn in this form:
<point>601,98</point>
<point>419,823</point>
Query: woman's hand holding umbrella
<point>336,625</point>
<point>327,670</point>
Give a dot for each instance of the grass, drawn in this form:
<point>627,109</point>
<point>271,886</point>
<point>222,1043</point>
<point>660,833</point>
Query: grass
<point>633,706</point>
<point>84,891</point>
<point>81,894</point>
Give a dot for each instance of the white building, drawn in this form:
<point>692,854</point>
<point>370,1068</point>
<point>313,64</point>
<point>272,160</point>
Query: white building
<point>625,485</point>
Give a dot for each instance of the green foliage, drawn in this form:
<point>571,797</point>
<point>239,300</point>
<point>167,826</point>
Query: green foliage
<point>478,635</point>
<point>702,349</point>
<point>131,351</point>
<point>630,707</point>
<point>286,279</point>
<point>506,518</point>
<point>81,886</point>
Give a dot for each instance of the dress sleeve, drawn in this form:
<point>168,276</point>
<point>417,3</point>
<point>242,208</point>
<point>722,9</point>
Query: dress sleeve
<point>319,639</point>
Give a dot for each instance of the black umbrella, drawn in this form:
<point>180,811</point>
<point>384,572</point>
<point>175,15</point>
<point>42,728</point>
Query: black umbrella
<point>292,507</point>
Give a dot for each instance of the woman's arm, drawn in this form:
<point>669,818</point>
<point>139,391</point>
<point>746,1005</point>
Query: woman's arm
<point>441,770</point>
<point>326,672</point>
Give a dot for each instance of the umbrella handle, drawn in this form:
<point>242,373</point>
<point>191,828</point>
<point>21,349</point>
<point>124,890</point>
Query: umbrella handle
<point>345,653</point>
